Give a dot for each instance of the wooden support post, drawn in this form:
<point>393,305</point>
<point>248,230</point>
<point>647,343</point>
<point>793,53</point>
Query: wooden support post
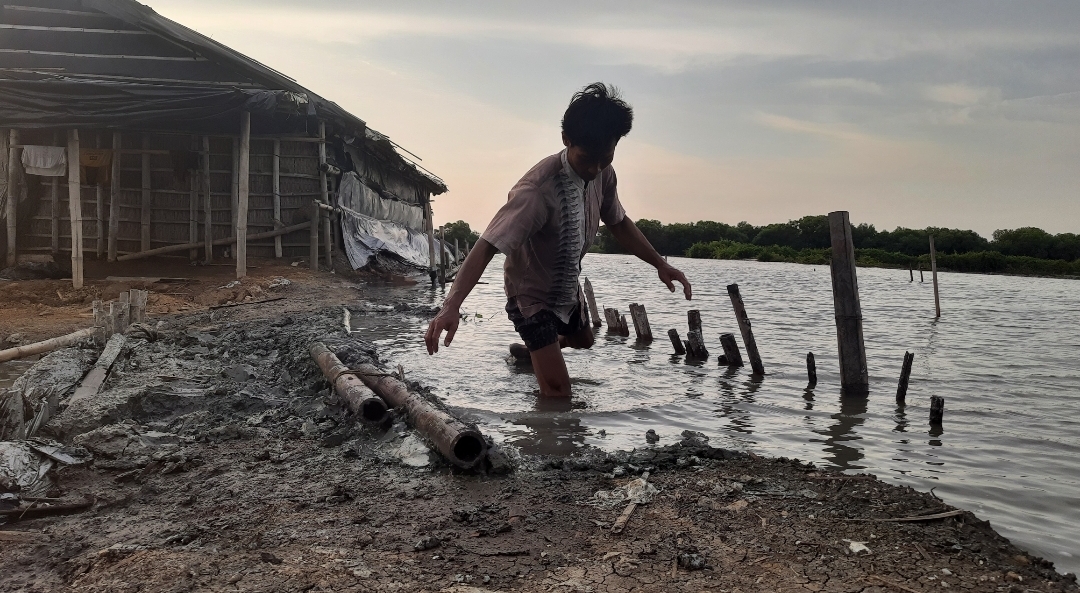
<point>921,279</point>
<point>313,247</point>
<point>324,195</point>
<point>99,195</point>
<point>641,322</point>
<point>208,204</point>
<point>905,375</point>
<point>693,319</point>
<point>937,410</point>
<point>933,272</point>
<point>242,194</point>
<point>146,197</point>
<point>114,196</point>
<point>277,196</point>
<point>624,330</point>
<point>731,350</point>
<point>100,323</point>
<point>911,272</point>
<point>854,379</point>
<point>747,332</point>
<point>811,369</point>
<point>429,223</point>
<point>138,305</point>
<point>10,209</point>
<point>54,206</point>
<point>193,204</point>
<point>590,299</point>
<point>676,342</point>
<point>695,345</point>
<point>234,190</point>
<point>457,253</point>
<point>123,313</point>
<point>611,322</point>
<point>442,255</point>
<point>75,208</point>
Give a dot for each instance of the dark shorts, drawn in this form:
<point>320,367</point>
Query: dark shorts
<point>544,328</point>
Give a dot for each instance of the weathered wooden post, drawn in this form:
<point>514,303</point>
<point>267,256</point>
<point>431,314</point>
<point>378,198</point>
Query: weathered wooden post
<point>747,333</point>
<point>693,319</point>
<point>676,342</point>
<point>324,195</point>
<point>731,350</point>
<point>921,279</point>
<point>54,199</point>
<point>695,345</point>
<point>590,299</point>
<point>937,410</point>
<point>624,329</point>
<point>277,196</point>
<point>114,197</point>
<point>442,255</point>
<point>10,210</point>
<point>811,369</point>
<point>611,323</point>
<point>313,247</point>
<point>641,322</point>
<point>74,208</point>
<point>854,379</point>
<point>905,375</point>
<point>457,253</point>
<point>208,203</point>
<point>933,272</point>
<point>137,304</point>
<point>145,204</point>
<point>911,272</point>
<point>242,194</point>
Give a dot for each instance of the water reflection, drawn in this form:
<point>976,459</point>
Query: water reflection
<point>851,416</point>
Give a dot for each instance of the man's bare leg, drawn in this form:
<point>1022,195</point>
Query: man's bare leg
<point>550,369</point>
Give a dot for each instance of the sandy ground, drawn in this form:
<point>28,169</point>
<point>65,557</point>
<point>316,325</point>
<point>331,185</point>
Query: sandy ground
<point>221,461</point>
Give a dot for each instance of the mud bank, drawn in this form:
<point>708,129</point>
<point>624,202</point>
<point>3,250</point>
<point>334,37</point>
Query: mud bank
<point>218,459</point>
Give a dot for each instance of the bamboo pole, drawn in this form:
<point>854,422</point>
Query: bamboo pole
<point>45,345</point>
<point>11,204</point>
<point>933,272</point>
<point>747,332</point>
<point>590,298</point>
<point>54,199</point>
<point>461,445</point>
<point>313,243</point>
<point>242,192</point>
<point>114,197</point>
<point>854,378</point>
<point>359,398</point>
<point>75,208</point>
<point>208,203</point>
<point>146,197</point>
<point>226,241</point>
<point>277,195</point>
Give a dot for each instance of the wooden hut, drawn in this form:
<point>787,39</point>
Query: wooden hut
<point>173,143</point>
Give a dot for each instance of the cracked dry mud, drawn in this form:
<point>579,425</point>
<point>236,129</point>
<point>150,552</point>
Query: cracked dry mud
<point>222,462</point>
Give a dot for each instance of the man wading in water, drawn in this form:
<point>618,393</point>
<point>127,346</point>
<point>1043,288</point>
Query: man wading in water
<point>545,228</point>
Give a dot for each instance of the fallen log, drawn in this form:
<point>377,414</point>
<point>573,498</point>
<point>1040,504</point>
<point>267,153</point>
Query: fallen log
<point>93,381</point>
<point>463,446</point>
<point>46,345</point>
<point>360,400</point>
<point>225,241</point>
<point>45,511</point>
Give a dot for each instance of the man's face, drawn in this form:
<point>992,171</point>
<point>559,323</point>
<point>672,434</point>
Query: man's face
<point>588,164</point>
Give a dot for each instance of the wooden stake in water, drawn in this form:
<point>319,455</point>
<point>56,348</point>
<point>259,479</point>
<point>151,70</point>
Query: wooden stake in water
<point>747,333</point>
<point>641,322</point>
<point>695,345</point>
<point>937,410</point>
<point>676,342</point>
<point>731,350</point>
<point>693,319</point>
<point>933,272</point>
<point>905,375</point>
<point>921,279</point>
<point>911,271</point>
<point>854,378</point>
<point>811,369</point>
<point>590,299</point>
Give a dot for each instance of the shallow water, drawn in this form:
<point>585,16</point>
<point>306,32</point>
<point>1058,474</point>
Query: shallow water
<point>1005,355</point>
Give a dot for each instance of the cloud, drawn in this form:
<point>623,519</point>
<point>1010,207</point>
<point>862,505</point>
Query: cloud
<point>847,84</point>
<point>961,94</point>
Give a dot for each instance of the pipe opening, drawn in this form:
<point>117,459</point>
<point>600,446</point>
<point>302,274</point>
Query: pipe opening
<point>373,410</point>
<point>469,448</point>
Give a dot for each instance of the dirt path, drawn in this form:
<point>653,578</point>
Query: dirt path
<point>222,462</point>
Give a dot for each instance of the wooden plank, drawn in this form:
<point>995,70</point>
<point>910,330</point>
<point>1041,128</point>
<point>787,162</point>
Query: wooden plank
<point>93,381</point>
<point>208,210</point>
<point>854,377</point>
<point>277,194</point>
<point>114,197</point>
<point>146,189</point>
<point>242,194</point>
<point>747,332</point>
<point>75,209</point>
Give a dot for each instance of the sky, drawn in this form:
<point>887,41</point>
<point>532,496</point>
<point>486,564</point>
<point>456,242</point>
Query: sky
<point>962,114</point>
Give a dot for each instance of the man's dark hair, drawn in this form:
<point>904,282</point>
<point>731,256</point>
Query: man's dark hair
<point>596,117</point>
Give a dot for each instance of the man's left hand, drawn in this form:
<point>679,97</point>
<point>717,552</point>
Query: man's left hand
<point>669,275</point>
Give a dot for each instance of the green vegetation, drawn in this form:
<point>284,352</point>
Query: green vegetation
<point>1025,251</point>
<point>461,231</point>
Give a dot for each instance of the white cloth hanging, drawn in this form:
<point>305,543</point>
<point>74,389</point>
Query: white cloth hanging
<point>47,161</point>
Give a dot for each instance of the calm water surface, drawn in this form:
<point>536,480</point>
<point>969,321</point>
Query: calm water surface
<point>1005,355</point>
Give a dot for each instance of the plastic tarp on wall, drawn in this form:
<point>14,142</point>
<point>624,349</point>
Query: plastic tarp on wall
<point>358,197</point>
<point>365,236</point>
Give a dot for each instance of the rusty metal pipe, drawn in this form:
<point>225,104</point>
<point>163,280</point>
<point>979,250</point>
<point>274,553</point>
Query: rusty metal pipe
<point>359,399</point>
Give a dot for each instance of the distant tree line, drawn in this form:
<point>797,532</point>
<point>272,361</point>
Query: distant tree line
<point>1026,250</point>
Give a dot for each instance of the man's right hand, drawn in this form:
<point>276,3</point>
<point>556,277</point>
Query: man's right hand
<point>447,320</point>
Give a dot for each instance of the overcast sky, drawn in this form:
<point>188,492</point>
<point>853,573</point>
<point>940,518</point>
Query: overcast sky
<point>959,114</point>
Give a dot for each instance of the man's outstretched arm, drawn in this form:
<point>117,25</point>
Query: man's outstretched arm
<point>630,237</point>
<point>450,315</point>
